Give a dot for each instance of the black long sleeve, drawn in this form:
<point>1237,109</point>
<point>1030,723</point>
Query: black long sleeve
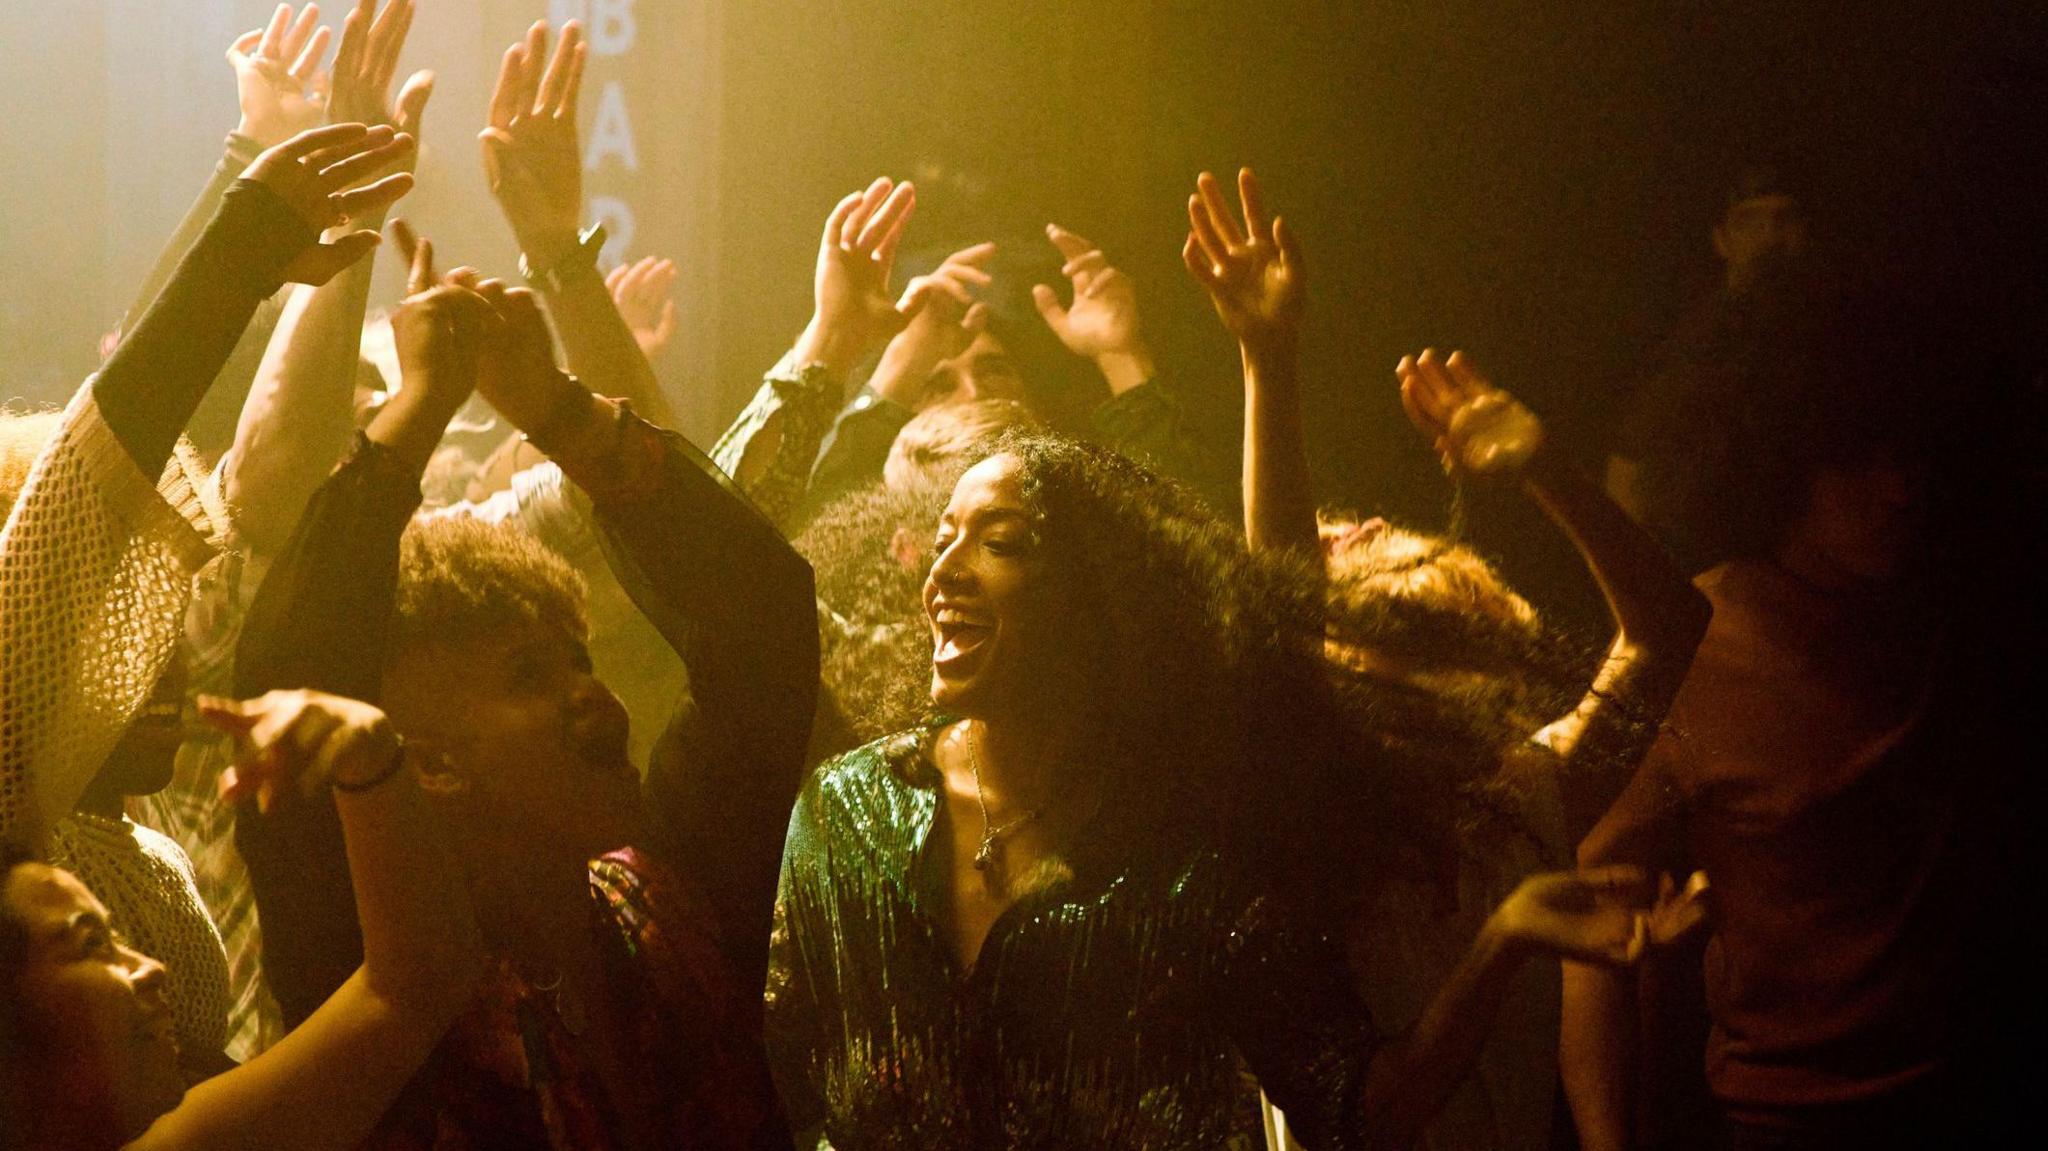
<point>717,579</point>
<point>322,620</point>
<point>154,381</point>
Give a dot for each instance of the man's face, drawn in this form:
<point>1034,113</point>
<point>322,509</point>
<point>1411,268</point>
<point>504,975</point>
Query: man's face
<point>538,743</point>
<point>1755,231</point>
<point>984,370</point>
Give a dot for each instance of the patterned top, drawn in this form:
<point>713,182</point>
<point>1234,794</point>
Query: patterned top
<point>803,400</point>
<point>510,1075</point>
<point>1138,1003</point>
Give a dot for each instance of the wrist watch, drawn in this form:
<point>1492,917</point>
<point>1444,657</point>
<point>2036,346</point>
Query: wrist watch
<point>581,257</point>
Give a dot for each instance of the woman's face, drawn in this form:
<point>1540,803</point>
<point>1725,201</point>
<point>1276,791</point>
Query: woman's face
<point>993,612</point>
<point>94,1018</point>
<point>535,744</point>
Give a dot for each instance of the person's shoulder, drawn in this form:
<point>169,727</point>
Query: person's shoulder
<point>895,761</point>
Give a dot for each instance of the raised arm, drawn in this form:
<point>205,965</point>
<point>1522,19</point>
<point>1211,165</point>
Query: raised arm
<point>535,169</point>
<point>1659,616</point>
<point>329,1081</point>
<point>300,414</point>
<point>275,70</point>
<point>1253,273</point>
<point>773,450</point>
<point>321,620</point>
<point>737,604</point>
<point>99,565</point>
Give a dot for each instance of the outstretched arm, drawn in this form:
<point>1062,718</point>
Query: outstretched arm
<point>773,449</point>
<point>330,1081</point>
<point>1255,278</point>
<point>535,168</point>
<point>99,565</point>
<point>1659,616</point>
<point>299,415</point>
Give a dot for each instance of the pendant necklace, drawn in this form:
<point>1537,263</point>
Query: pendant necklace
<point>988,857</point>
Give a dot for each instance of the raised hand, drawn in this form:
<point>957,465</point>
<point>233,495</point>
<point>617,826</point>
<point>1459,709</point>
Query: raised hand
<point>316,173</point>
<point>299,742</point>
<point>530,152</point>
<point>1253,272</point>
<point>1103,317</point>
<point>441,331</point>
<point>277,75</point>
<point>642,292</point>
<point>1476,428</point>
<point>1606,915</point>
<point>854,310</point>
<point>365,62</point>
<point>944,317</point>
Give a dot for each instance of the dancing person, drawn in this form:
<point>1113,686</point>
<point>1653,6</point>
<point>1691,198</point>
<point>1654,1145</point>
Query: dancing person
<point>628,924</point>
<point>1103,879</point>
<point>1822,763</point>
<point>1424,613</point>
<point>89,1057</point>
<point>941,341</point>
<point>99,559</point>
<point>296,419</point>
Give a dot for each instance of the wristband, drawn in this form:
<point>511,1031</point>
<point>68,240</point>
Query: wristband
<point>548,277</point>
<point>358,786</point>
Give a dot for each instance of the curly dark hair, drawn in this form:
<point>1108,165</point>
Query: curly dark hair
<point>876,648</point>
<point>460,577</point>
<point>1220,716</point>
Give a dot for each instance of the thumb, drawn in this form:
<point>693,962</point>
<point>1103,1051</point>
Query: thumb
<point>1049,308</point>
<point>412,101</point>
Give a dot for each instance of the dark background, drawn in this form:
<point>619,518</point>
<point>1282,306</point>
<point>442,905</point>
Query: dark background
<point>1531,180</point>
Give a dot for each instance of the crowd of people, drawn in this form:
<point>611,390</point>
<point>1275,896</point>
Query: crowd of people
<point>408,741</point>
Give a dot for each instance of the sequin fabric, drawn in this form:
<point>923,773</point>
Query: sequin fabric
<point>1138,1003</point>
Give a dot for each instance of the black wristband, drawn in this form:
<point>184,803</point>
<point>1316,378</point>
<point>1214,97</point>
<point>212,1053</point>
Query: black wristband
<point>397,762</point>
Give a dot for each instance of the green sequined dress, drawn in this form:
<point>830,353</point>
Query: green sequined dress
<point>1140,1003</point>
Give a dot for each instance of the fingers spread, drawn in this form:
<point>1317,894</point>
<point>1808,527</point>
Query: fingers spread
<point>1254,204</point>
<point>309,59</point>
<point>554,85</point>
<point>888,220</point>
<point>871,199</point>
<point>835,224</point>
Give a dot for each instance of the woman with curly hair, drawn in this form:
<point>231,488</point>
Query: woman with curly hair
<point>1077,905</point>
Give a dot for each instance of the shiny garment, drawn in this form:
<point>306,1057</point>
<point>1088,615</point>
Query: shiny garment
<point>1124,1003</point>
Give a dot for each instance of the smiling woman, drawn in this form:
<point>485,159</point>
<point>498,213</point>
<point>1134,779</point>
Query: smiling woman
<point>1075,906</point>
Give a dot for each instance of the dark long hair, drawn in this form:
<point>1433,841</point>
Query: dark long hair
<point>1217,717</point>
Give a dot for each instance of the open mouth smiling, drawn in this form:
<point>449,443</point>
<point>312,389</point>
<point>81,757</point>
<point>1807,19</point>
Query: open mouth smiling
<point>958,635</point>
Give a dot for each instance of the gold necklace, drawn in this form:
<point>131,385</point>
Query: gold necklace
<point>988,856</point>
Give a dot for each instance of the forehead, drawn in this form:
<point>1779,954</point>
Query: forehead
<point>43,898</point>
<point>992,483</point>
